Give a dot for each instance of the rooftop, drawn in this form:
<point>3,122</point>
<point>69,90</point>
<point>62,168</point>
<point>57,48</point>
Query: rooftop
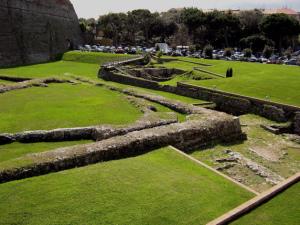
<point>281,10</point>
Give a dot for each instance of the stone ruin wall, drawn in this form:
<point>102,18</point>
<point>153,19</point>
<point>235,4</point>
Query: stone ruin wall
<point>34,31</point>
<point>297,123</point>
<point>226,102</point>
<point>187,136</point>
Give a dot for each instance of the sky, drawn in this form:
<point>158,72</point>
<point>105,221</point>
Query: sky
<point>94,8</point>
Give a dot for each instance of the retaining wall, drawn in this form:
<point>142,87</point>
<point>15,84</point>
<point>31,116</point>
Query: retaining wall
<point>226,102</point>
<point>187,136</point>
<point>238,104</point>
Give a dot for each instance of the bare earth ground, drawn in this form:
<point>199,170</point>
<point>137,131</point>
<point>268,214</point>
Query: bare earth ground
<point>262,161</point>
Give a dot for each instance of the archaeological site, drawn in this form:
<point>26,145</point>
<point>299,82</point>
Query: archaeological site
<point>140,117</point>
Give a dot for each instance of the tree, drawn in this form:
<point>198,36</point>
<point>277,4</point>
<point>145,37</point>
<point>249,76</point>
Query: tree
<point>162,29</point>
<point>113,26</point>
<point>268,51</point>
<point>256,42</point>
<point>181,37</point>
<point>288,52</point>
<point>280,28</point>
<point>250,21</point>
<point>193,18</point>
<point>142,19</point>
<point>223,29</point>
<point>87,25</point>
<point>208,51</point>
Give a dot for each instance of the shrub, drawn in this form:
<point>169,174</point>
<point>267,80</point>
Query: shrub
<point>228,52</point>
<point>208,51</point>
<point>229,73</point>
<point>147,58</point>
<point>247,52</point>
<point>159,54</point>
<point>268,51</point>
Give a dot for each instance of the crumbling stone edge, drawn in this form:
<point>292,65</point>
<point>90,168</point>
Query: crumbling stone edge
<point>96,133</point>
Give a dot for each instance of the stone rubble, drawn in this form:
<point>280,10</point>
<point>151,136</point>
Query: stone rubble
<point>270,176</point>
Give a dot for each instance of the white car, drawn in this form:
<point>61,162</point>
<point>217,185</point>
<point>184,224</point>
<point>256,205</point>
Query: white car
<point>88,48</point>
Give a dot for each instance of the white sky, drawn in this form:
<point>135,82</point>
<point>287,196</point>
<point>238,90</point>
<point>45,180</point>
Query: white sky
<point>94,8</point>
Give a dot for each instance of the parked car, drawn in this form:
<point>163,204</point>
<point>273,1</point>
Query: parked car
<point>88,48</point>
<point>176,53</point>
<point>132,51</point>
<point>292,61</point>
<point>263,59</point>
<point>119,50</point>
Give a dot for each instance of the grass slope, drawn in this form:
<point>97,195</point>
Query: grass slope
<point>279,82</point>
<point>283,209</point>
<point>74,63</point>
<point>85,64</point>
<point>95,57</point>
<point>161,187</point>
<point>63,105</point>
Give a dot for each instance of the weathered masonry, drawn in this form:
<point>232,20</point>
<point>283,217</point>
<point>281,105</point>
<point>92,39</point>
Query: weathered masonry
<point>187,136</point>
<point>227,102</point>
<point>34,31</point>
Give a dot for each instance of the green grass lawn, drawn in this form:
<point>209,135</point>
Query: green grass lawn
<point>85,65</point>
<point>60,68</point>
<point>95,57</point>
<point>280,82</point>
<point>76,63</point>
<point>161,187</point>
<point>63,105</point>
<point>283,209</point>
<point>16,150</point>
<point>6,82</point>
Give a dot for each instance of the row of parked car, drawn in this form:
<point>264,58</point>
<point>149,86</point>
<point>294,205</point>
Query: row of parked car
<point>240,56</point>
<point>117,50</point>
<point>184,52</point>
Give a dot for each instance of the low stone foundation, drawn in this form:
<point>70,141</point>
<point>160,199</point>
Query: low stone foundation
<point>177,106</point>
<point>155,74</point>
<point>187,136</point>
<point>296,123</point>
<point>80,133</point>
<point>14,79</point>
<point>33,83</point>
<point>274,113</point>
